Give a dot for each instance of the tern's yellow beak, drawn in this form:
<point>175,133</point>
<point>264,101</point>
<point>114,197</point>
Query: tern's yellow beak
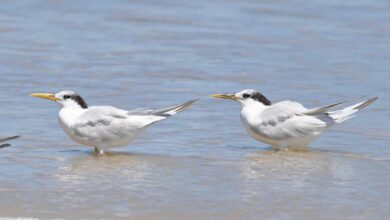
<point>45,96</point>
<point>225,96</point>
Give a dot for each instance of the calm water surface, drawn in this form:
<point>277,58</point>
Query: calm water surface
<point>200,164</point>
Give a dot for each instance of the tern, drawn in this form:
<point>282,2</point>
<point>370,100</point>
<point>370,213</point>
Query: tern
<point>288,124</point>
<point>6,139</point>
<point>104,127</point>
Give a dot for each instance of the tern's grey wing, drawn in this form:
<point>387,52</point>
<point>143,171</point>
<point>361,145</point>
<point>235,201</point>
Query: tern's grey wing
<point>320,113</point>
<point>150,116</point>
<point>322,109</point>
<point>4,145</point>
<point>6,139</point>
<point>280,122</point>
<point>165,112</point>
<point>101,116</point>
<point>141,111</point>
<point>289,106</point>
<point>104,123</point>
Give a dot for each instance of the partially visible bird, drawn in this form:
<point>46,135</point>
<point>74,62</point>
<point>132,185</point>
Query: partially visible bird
<point>6,139</point>
<point>104,127</point>
<point>288,124</point>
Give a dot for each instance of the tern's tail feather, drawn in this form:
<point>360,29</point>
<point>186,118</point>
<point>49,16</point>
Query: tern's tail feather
<point>348,112</point>
<point>167,112</point>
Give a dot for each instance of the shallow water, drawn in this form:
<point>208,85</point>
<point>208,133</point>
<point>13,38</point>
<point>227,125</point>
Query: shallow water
<point>201,163</point>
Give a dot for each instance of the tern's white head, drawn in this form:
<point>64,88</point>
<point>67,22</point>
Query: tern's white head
<point>65,98</point>
<point>245,97</point>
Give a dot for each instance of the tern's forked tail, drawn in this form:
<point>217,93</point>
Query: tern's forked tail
<point>349,112</point>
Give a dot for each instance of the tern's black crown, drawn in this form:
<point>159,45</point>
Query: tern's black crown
<point>261,98</point>
<point>77,98</point>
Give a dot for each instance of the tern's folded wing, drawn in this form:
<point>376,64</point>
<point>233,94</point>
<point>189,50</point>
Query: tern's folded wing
<point>322,109</point>
<point>148,116</point>
<point>106,123</point>
<point>283,123</point>
<point>165,112</point>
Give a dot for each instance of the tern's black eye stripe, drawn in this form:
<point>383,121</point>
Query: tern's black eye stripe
<point>66,96</point>
<point>246,95</point>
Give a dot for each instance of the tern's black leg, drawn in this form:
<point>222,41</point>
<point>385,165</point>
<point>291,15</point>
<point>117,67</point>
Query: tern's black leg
<point>99,151</point>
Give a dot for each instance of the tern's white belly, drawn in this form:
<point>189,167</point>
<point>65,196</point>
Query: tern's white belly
<point>256,131</point>
<point>257,136</point>
<point>102,135</point>
<point>95,139</point>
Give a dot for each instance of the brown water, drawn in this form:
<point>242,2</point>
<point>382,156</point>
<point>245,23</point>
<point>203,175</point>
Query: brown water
<point>200,164</point>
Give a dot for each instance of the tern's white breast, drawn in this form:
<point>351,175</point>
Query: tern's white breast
<point>67,118</point>
<point>251,120</point>
<point>249,127</point>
